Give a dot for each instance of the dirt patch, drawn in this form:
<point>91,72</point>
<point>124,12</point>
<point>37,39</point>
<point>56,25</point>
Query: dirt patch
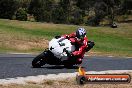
<point>71,83</point>
<point>66,83</point>
<point>20,86</point>
<point>28,45</point>
<point>18,42</point>
<point>22,43</point>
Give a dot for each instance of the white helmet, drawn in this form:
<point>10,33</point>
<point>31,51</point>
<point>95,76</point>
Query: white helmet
<point>80,33</point>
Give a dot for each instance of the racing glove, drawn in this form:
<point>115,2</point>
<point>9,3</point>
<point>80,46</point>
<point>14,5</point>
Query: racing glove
<point>67,37</point>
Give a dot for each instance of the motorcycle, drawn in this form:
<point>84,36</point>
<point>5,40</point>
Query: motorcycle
<point>59,51</point>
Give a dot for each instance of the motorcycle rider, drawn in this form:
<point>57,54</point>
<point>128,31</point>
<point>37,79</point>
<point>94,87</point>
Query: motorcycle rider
<point>80,41</point>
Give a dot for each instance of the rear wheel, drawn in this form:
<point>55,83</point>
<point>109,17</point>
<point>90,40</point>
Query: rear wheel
<point>39,61</point>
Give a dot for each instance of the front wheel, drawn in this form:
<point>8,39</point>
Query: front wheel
<point>39,61</point>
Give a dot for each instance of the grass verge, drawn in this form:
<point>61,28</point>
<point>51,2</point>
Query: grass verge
<point>20,36</point>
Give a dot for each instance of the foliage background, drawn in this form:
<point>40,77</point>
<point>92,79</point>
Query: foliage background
<point>79,12</point>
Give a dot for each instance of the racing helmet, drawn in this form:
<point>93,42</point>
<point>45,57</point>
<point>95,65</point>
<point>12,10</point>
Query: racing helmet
<point>80,33</point>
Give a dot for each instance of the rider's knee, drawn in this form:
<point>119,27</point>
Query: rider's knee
<point>79,60</point>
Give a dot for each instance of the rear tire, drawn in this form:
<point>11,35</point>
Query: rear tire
<point>39,61</point>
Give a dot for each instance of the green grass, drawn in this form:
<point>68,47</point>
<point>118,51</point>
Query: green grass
<point>108,41</point>
<point>115,43</point>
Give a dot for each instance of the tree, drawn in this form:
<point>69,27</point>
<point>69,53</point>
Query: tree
<point>24,3</point>
<point>72,14</point>
<point>112,9</point>
<point>100,12</point>
<point>103,8</point>
<point>126,6</point>
<point>8,8</point>
<point>65,7</point>
<point>58,15</point>
<point>88,6</point>
<point>41,9</point>
<point>21,14</point>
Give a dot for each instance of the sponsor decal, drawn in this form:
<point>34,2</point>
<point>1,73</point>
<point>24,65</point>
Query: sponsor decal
<point>83,78</point>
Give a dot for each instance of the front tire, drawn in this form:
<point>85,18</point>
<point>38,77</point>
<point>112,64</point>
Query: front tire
<point>38,61</point>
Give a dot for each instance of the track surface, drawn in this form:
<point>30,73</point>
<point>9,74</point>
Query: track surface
<point>19,65</point>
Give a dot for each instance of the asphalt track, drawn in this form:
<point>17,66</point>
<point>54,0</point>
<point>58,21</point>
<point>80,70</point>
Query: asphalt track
<point>19,65</point>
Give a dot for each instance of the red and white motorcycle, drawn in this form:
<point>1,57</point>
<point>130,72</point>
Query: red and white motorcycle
<point>59,51</point>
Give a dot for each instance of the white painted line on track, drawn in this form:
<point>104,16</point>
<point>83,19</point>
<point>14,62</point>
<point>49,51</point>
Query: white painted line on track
<point>110,56</point>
